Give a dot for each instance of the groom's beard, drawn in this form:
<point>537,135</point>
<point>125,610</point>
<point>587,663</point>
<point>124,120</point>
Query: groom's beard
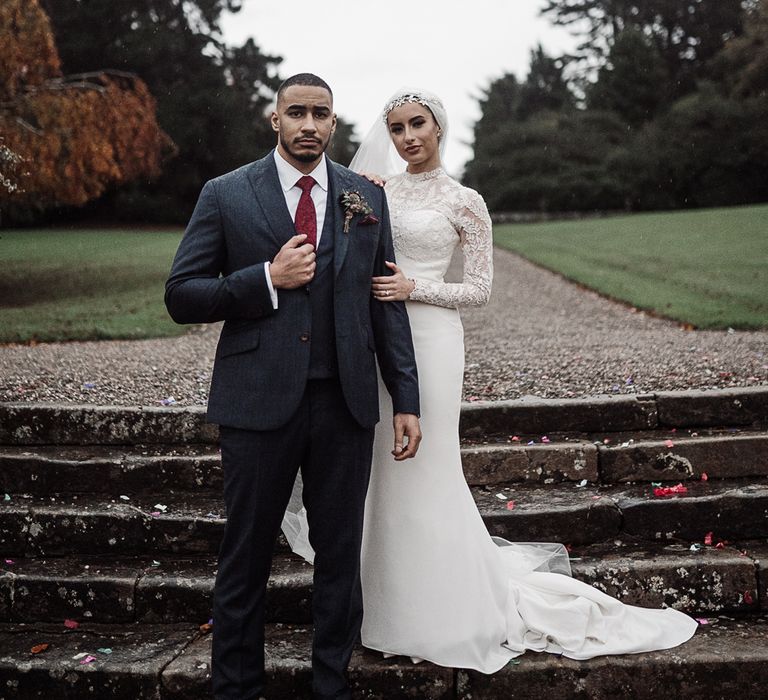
<point>300,153</point>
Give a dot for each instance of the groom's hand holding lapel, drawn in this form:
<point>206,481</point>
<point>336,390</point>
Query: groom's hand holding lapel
<point>294,265</point>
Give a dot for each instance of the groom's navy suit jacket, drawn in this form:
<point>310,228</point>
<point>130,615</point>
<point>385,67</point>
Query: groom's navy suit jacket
<point>262,360</point>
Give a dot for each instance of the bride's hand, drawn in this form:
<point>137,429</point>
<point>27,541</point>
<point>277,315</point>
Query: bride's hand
<point>375,179</point>
<point>394,287</point>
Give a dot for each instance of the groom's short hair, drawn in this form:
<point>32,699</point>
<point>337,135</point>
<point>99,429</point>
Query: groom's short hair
<point>305,80</point>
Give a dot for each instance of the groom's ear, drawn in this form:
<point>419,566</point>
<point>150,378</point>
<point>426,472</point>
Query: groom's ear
<point>275,121</point>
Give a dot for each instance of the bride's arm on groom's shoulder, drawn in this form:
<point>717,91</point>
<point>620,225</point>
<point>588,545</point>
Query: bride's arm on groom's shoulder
<point>473,225</point>
<point>374,178</point>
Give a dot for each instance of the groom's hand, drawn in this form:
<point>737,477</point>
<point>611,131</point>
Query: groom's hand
<point>406,426</point>
<point>294,264</point>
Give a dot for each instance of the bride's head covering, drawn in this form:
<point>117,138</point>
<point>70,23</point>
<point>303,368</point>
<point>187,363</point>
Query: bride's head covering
<point>377,154</point>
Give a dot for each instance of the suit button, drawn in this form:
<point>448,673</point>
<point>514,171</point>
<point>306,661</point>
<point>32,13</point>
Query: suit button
<point>304,337</point>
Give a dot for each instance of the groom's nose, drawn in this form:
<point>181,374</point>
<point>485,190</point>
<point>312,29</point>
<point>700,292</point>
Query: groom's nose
<point>309,123</point>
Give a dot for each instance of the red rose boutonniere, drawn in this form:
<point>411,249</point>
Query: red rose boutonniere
<point>354,203</point>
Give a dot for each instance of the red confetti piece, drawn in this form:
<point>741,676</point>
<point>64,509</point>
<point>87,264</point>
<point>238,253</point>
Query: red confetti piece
<point>704,476</point>
<point>71,624</point>
<point>669,490</point>
<point>669,443</point>
<point>39,648</point>
<point>568,548</point>
<point>515,438</point>
<point>748,597</point>
<point>510,505</point>
<point>708,539</point>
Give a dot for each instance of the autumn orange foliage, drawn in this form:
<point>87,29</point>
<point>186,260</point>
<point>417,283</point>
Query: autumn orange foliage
<point>78,135</point>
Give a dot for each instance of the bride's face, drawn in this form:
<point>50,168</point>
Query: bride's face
<point>414,132</point>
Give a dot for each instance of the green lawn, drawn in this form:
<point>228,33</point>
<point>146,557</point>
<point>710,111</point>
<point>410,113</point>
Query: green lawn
<point>706,267</point>
<point>59,284</point>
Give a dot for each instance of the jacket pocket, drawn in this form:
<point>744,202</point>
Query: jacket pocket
<point>235,343</point>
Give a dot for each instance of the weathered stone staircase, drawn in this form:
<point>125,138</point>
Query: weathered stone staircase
<point>112,516</point>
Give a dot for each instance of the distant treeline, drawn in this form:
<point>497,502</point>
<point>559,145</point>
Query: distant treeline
<point>664,105</point>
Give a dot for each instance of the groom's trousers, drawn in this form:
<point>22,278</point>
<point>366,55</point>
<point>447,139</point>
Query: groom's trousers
<point>334,455</point>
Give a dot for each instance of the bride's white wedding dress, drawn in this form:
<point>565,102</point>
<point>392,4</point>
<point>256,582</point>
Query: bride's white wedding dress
<point>436,586</point>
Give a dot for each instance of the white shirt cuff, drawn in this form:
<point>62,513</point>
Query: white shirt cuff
<point>272,290</point>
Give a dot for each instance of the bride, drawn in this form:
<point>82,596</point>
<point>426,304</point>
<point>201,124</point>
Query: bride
<point>436,585</point>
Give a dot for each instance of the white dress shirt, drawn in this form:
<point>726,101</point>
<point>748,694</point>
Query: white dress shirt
<point>289,176</point>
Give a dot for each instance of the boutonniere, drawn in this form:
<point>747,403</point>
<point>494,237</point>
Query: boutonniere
<point>354,203</point>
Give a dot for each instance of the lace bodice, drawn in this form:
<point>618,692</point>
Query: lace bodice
<point>431,215</point>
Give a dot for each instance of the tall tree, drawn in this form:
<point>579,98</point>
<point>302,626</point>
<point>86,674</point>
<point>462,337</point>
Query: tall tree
<point>211,98</point>
<point>77,135</point>
<point>686,33</point>
<point>742,65</point>
<point>545,88</point>
<point>633,82</point>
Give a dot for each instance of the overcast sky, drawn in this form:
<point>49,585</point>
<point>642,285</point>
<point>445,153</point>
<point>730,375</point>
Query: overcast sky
<point>367,50</point>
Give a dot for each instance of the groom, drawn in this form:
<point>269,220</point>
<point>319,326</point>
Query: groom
<point>283,250</point>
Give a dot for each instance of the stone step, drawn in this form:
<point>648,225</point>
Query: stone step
<point>141,589</point>
<point>192,524</point>
<point>157,468</point>
<point>726,658</point>
<point>110,469</point>
<point>730,509</point>
<point>169,591</point>
<point>63,424</point>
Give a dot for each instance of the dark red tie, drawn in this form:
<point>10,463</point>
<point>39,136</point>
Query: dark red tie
<point>306,216</point>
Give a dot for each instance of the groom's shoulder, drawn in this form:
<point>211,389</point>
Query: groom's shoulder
<point>351,180</point>
<point>241,174</point>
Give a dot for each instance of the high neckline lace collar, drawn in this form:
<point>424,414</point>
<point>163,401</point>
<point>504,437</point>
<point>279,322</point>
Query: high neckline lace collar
<point>428,175</point>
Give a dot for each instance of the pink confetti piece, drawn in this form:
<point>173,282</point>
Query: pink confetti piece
<point>473,398</point>
<point>721,544</point>
<point>545,440</point>
<point>71,624</point>
<point>510,505</point>
<point>702,620</point>
<point>704,476</point>
<point>708,539</point>
<point>515,438</point>
<point>87,660</point>
<point>10,561</point>
<point>669,443</point>
<point>669,490</point>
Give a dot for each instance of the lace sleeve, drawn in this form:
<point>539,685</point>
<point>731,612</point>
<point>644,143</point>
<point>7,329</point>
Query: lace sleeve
<point>474,227</point>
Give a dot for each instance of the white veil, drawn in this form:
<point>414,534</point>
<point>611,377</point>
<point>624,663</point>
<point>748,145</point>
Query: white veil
<point>377,153</point>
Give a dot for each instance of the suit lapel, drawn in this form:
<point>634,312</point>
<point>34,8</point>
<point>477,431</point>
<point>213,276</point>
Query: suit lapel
<point>337,183</point>
<point>266,188</point>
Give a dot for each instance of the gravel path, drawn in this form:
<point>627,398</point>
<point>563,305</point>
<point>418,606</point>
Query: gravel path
<point>539,336</point>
